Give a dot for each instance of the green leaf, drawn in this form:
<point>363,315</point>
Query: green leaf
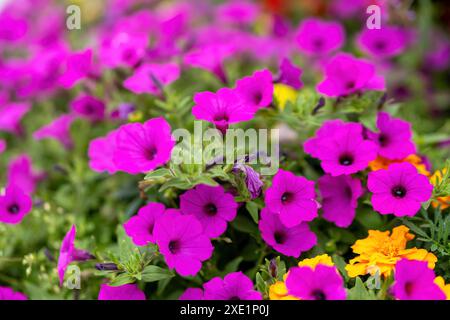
<point>360,292</point>
<point>243,224</point>
<point>204,179</point>
<point>121,279</point>
<point>252,208</point>
<point>260,283</point>
<point>154,273</point>
<point>178,183</point>
<point>233,265</point>
<point>158,174</point>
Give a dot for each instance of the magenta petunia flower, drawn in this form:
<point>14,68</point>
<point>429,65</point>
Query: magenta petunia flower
<point>288,241</point>
<point>128,291</point>
<point>89,107</point>
<point>68,253</point>
<point>210,57</point>
<point>140,227</point>
<point>192,294</point>
<point>399,190</point>
<point>9,294</point>
<point>181,241</point>
<point>101,151</point>
<point>321,283</point>
<point>239,12</point>
<point>340,198</point>
<point>152,78</point>
<point>143,147</point>
<point>341,147</point>
<point>290,74</point>
<point>78,66</point>
<point>292,197</point>
<point>10,116</point>
<point>345,74</point>
<point>58,129</point>
<point>14,205</point>
<point>20,173</point>
<point>2,146</point>
<point>386,42</point>
<point>234,286</point>
<point>256,91</point>
<point>222,108</point>
<point>212,206</point>
<point>395,137</point>
<point>415,281</point>
<point>318,37</point>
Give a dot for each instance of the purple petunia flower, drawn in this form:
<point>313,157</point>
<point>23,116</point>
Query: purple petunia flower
<point>318,37</point>
<point>321,283</point>
<point>10,116</point>
<point>395,137</point>
<point>222,108</point>
<point>78,66</point>
<point>234,286</point>
<point>212,206</point>
<point>252,179</point>
<point>341,147</point>
<point>140,227</point>
<point>14,205</point>
<point>345,74</point>
<point>292,197</point>
<point>89,107</point>
<point>58,129</point>
<point>9,294</point>
<point>339,198</point>
<point>288,241</point>
<point>151,78</point>
<point>290,74</point>
<point>192,294</point>
<point>398,190</point>
<point>101,151</point>
<point>68,253</point>
<point>20,173</point>
<point>181,241</point>
<point>415,281</point>
<point>128,291</point>
<point>386,42</point>
<point>143,147</point>
<point>256,91</point>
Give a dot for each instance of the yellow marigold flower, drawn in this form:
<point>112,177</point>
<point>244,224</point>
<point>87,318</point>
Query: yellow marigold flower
<point>415,160</point>
<point>284,93</point>
<point>313,262</point>
<point>444,287</point>
<point>435,179</point>
<point>380,251</point>
<point>278,290</point>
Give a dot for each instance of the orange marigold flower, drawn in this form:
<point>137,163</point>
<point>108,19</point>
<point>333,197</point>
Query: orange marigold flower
<point>435,179</point>
<point>415,160</point>
<point>278,290</point>
<point>380,251</point>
